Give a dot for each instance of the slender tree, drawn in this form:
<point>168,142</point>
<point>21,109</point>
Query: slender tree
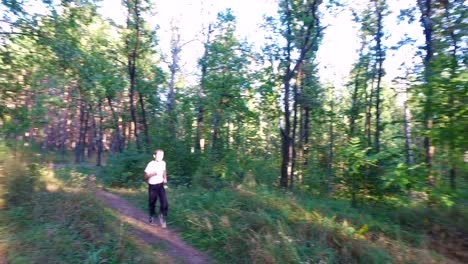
<point>425,7</point>
<point>302,41</point>
<point>199,138</point>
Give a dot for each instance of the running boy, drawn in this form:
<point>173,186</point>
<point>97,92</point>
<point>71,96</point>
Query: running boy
<point>156,177</point>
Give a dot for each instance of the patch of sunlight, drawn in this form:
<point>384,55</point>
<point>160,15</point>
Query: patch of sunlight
<point>50,187</point>
<point>244,191</point>
<point>312,216</point>
<point>352,231</point>
<point>77,177</point>
<point>297,213</point>
<point>73,190</point>
<point>283,233</point>
<point>150,238</point>
<point>151,234</point>
<point>52,184</point>
<point>224,221</point>
<point>208,224</point>
<point>193,219</point>
<point>347,229</point>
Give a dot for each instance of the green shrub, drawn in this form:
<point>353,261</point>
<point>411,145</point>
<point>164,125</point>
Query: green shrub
<point>125,169</point>
<point>60,225</point>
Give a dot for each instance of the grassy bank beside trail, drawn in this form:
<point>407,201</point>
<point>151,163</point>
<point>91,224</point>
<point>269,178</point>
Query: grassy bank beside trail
<point>47,216</point>
<point>264,225</point>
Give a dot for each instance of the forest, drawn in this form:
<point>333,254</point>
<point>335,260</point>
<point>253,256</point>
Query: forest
<point>268,160</point>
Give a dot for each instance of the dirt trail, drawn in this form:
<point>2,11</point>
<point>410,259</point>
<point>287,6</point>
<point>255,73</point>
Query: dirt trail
<point>137,220</point>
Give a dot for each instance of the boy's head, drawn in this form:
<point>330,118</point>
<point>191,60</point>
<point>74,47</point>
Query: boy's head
<point>158,154</point>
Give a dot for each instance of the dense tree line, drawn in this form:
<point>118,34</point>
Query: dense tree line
<point>77,84</point>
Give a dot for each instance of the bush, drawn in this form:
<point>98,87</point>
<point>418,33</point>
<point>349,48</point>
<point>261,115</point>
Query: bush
<point>125,169</point>
<point>50,218</point>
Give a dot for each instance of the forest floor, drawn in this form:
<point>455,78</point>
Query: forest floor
<point>166,245</point>
<point>176,250</point>
<point>450,243</point>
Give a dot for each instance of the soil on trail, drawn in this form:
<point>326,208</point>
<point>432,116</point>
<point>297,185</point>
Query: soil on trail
<point>137,220</point>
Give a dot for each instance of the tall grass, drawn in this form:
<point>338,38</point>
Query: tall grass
<point>48,217</point>
<point>265,225</point>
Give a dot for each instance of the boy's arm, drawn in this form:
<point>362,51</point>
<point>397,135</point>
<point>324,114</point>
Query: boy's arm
<point>165,176</point>
<point>148,175</point>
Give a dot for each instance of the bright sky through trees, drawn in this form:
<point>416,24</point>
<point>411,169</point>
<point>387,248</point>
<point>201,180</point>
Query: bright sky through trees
<point>337,51</point>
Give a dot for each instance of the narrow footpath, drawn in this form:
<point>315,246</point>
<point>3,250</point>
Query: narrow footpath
<point>176,249</point>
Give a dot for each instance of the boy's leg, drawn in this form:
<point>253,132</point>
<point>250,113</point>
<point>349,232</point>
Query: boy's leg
<point>152,198</point>
<point>163,205</point>
<point>164,208</point>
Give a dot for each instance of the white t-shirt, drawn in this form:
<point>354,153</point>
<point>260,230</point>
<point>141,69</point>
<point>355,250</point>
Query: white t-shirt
<point>157,167</point>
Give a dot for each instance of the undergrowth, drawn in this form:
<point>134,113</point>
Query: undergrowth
<point>48,217</point>
<point>263,225</point>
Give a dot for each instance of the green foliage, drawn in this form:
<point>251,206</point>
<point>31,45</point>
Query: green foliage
<point>16,122</point>
<point>402,177</point>
<point>54,63</point>
<point>265,171</point>
<point>267,225</point>
<point>125,169</point>
<point>231,170</point>
<point>356,160</point>
<point>215,174</point>
<point>50,218</point>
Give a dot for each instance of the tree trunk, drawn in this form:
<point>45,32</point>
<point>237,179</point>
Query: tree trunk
<point>296,89</point>
<point>132,106</point>
<point>100,134</point>
<point>64,127</point>
<point>83,130</point>
<point>126,130</point>
<point>330,150</point>
<point>354,102</point>
<point>90,144</point>
<point>144,121</point>
<point>451,101</point>
<point>287,150</point>
<point>425,7</point>
<point>79,143</point>
<point>215,144</point>
<point>92,139</point>
<point>380,59</point>
<point>286,144</point>
<point>170,106</point>
<point>199,140</point>
<point>175,50</point>
<point>302,144</point>
<point>408,140</point>
<point>132,57</point>
<point>116,126</point>
<point>368,122</point>
<point>306,136</point>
